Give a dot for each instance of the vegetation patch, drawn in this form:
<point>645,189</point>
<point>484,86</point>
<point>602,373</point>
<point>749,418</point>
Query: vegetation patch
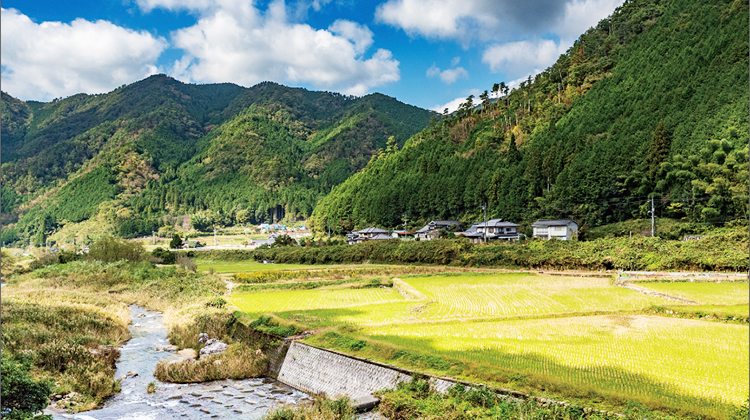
<point>238,362</point>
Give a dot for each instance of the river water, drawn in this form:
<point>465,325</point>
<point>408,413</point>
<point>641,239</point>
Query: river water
<point>240,399</point>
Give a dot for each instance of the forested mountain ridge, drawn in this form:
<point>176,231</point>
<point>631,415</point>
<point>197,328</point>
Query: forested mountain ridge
<point>129,159</point>
<point>652,102</point>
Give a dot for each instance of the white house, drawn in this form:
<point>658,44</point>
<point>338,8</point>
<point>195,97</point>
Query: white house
<point>562,229</point>
<point>492,230</point>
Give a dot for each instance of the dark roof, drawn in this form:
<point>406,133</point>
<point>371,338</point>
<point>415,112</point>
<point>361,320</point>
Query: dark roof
<point>556,222</point>
<point>372,230</point>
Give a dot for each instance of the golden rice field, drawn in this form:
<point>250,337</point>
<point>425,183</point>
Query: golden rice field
<point>648,356</point>
<point>706,293</point>
<point>502,295</point>
<point>300,300</point>
<point>547,326</point>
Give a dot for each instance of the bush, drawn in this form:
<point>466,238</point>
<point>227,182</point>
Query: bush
<point>166,256</point>
<point>176,242</point>
<point>187,262</point>
<point>237,362</point>
<point>109,249</point>
<point>22,397</point>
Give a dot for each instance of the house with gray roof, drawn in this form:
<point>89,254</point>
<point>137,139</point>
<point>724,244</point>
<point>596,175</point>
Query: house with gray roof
<point>369,234</point>
<point>432,230</point>
<point>563,229</point>
<point>493,229</point>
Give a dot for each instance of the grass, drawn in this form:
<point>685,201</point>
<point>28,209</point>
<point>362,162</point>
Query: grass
<point>238,362</point>
<point>68,337</point>
<point>706,293</point>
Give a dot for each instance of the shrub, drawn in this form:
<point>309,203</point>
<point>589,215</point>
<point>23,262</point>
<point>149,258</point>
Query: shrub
<point>110,249</point>
<point>22,397</point>
<point>166,256</point>
<point>176,242</point>
<point>238,362</point>
<point>187,262</point>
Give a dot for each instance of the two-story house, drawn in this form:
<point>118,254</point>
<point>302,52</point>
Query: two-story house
<point>563,229</point>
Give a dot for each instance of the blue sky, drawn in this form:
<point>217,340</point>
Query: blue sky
<point>429,53</point>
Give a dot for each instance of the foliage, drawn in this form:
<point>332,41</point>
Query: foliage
<point>283,240</point>
<point>176,242</point>
<point>238,362</point>
<point>166,256</point>
<point>618,118</point>
<point>267,325</point>
<point>159,148</point>
<point>22,396</point>
<point>715,252</point>
<point>186,262</point>
<point>320,409</point>
<point>109,249</point>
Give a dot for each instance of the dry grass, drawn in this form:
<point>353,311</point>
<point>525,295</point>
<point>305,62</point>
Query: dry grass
<point>237,362</point>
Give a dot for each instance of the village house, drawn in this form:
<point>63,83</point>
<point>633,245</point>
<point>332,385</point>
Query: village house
<point>432,230</point>
<point>562,229</point>
<point>492,230</point>
<point>369,234</point>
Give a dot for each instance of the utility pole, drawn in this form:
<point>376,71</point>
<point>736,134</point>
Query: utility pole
<point>153,235</point>
<point>215,242</point>
<point>405,219</point>
<point>653,218</point>
<point>328,223</point>
<point>484,233</point>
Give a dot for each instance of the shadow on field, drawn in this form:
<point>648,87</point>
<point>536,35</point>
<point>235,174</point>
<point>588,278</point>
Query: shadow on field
<point>529,372</point>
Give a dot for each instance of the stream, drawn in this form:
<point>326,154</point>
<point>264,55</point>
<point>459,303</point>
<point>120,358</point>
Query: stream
<point>241,399</point>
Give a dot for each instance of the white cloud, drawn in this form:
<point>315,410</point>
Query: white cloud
<point>51,59</point>
<point>359,35</point>
<point>521,58</point>
<point>448,76</point>
<point>454,104</point>
<point>581,15</point>
<point>493,20</point>
<point>436,18</point>
<point>235,42</point>
<point>455,61</point>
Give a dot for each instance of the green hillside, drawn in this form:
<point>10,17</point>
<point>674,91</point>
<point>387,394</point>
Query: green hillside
<point>652,102</point>
<point>130,160</point>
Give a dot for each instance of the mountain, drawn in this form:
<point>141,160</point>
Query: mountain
<point>652,102</point>
<point>129,161</point>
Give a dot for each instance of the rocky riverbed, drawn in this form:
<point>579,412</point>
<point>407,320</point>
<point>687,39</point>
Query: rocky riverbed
<point>241,399</point>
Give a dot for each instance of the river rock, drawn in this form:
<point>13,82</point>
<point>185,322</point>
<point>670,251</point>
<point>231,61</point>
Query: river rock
<point>188,353</point>
<point>167,347</point>
<point>213,346</point>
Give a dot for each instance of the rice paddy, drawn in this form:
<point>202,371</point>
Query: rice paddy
<point>583,332</point>
<point>285,300</point>
<point>706,293</point>
<point>647,356</point>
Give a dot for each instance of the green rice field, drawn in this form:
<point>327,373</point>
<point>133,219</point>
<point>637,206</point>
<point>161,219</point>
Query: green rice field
<point>579,332</point>
<point>285,300</point>
<point>706,293</point>
<point>647,356</point>
<point>248,265</point>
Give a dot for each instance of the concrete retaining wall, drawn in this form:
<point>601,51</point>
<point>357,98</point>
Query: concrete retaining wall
<point>318,371</point>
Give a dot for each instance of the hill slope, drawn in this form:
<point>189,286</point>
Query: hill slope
<point>651,102</point>
<point>128,160</point>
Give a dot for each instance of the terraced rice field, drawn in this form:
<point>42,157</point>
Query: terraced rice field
<point>301,300</point>
<point>676,360</point>
<point>249,265</point>
<point>503,295</point>
<point>706,293</point>
<point>548,326</point>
